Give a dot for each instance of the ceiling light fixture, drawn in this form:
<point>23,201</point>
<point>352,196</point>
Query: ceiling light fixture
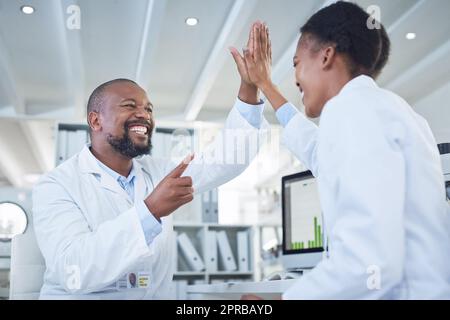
<point>410,36</point>
<point>191,22</point>
<point>27,9</point>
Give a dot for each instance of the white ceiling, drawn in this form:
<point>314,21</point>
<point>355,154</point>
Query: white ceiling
<point>48,71</point>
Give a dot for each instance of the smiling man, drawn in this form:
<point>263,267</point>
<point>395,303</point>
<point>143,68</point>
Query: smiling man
<point>125,128</point>
<point>103,217</point>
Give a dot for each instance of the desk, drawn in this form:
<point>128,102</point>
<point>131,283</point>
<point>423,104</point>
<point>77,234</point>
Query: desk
<point>229,291</point>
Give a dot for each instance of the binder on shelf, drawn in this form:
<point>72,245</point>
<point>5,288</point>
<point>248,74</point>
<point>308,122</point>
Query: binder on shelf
<point>206,208</point>
<point>76,139</point>
<point>80,138</point>
<point>62,147</point>
<point>211,251</point>
<point>210,208</point>
<point>226,255</point>
<point>191,255</point>
<point>71,139</point>
<point>214,205</point>
<point>242,251</point>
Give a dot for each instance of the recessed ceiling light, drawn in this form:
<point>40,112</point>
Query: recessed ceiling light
<point>191,22</point>
<point>410,36</point>
<point>27,9</point>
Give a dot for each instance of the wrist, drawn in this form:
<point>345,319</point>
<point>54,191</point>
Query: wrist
<point>270,90</point>
<point>266,86</point>
<point>152,208</point>
<point>249,93</point>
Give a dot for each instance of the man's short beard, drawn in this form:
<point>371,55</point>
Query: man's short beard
<point>127,148</point>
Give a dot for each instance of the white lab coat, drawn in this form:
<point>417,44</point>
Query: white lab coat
<point>382,194</point>
<point>90,228</point>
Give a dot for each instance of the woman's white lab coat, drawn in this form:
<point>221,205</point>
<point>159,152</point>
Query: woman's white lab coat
<point>383,198</point>
<point>89,231</point>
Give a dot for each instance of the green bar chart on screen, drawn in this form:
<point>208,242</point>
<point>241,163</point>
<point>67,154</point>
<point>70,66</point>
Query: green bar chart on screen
<point>311,244</point>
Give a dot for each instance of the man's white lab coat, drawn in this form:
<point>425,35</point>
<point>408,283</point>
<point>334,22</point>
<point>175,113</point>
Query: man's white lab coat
<point>89,231</point>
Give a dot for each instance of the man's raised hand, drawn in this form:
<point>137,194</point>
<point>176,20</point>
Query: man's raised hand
<point>172,192</point>
<point>240,63</point>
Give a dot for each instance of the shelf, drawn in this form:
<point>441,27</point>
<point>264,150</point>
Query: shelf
<point>189,273</point>
<point>188,225</point>
<point>230,273</point>
<point>198,235</point>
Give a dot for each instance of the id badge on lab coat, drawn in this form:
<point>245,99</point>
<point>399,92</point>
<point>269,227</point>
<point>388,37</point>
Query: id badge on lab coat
<point>134,280</point>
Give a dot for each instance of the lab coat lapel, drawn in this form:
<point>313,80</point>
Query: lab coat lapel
<point>89,165</point>
<point>140,185</point>
<point>107,182</point>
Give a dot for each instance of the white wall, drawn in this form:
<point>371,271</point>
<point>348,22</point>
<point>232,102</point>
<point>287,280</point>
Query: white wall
<point>436,109</point>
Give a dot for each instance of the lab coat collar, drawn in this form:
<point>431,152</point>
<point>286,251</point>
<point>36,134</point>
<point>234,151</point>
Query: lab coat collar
<point>140,187</point>
<point>118,176</point>
<point>360,81</point>
<point>89,164</point>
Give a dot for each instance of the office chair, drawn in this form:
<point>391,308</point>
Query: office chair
<point>27,267</point>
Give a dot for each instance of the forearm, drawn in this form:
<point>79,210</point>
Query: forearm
<point>272,94</point>
<point>249,93</point>
<point>229,154</point>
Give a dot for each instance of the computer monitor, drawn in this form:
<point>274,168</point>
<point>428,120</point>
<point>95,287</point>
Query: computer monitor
<point>303,234</point>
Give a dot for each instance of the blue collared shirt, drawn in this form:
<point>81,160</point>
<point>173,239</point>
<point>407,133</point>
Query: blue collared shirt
<point>252,113</point>
<point>127,183</point>
<point>150,225</point>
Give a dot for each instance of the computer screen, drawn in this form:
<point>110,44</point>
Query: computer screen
<point>303,234</point>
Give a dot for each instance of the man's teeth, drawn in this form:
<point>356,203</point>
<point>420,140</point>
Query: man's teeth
<point>139,129</point>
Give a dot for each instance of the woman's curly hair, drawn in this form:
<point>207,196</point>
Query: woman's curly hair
<point>345,25</point>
